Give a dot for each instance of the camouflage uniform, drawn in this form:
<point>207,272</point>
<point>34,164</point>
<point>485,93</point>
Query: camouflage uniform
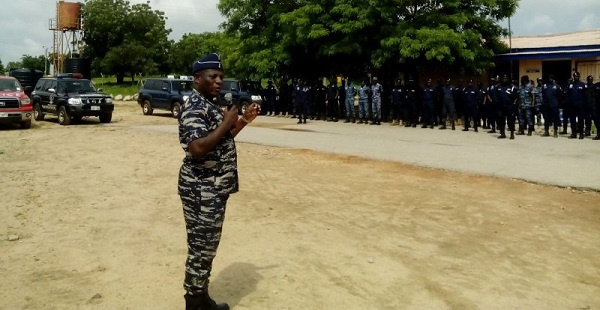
<point>525,106</point>
<point>376,90</point>
<point>204,187</point>
<point>363,103</point>
<point>350,92</point>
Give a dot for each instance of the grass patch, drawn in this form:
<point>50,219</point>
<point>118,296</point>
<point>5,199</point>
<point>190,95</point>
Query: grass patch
<point>109,86</point>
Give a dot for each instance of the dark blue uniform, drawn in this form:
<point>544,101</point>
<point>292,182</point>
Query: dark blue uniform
<point>270,98</point>
<point>470,107</point>
<point>576,101</point>
<point>448,108</point>
<point>428,106</point>
<point>397,102</point>
<point>507,110</point>
<point>332,102</point>
<point>551,93</point>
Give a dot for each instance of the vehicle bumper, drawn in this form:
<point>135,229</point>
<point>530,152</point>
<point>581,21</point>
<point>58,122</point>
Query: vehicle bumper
<point>91,110</point>
<point>15,115</point>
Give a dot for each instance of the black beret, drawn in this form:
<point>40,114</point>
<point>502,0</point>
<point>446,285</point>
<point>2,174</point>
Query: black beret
<point>210,61</point>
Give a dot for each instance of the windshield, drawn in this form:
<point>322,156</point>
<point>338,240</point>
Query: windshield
<point>184,86</point>
<point>76,86</point>
<point>9,85</point>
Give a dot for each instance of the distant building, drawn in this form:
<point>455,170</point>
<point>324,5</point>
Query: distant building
<point>557,54</point>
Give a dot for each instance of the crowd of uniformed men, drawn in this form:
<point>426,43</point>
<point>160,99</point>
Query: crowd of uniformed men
<point>500,105</point>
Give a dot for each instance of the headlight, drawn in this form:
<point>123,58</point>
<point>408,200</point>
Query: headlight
<point>108,100</point>
<point>75,101</point>
<point>256,98</point>
<point>185,98</point>
<point>26,101</point>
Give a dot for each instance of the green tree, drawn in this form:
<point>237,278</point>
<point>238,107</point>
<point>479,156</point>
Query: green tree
<point>13,65</point>
<point>1,68</point>
<point>317,37</point>
<point>192,47</point>
<point>33,62</point>
<point>125,39</point>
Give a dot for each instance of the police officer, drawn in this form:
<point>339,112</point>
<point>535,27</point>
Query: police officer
<point>551,92</point>
<point>397,100</point>
<point>302,101</point>
<point>448,109</point>
<point>270,98</point>
<point>481,96</point>
<point>538,101</point>
<point>506,107</point>
<point>576,101</point>
<point>596,111</point>
<point>208,174</point>
<point>470,107</point>
<point>376,91</point>
<point>332,101</point>
<point>491,103</point>
<point>428,105</point>
<point>412,103</point>
<point>363,102</point>
<point>350,91</point>
<point>525,106</point>
<point>590,105</point>
<point>320,93</point>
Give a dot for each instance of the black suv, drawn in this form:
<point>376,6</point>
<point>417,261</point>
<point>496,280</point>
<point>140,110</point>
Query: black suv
<point>70,99</point>
<point>164,94</point>
<point>242,93</point>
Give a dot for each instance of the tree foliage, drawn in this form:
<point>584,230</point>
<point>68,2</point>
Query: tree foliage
<point>1,67</point>
<point>192,47</point>
<point>319,37</point>
<point>125,39</point>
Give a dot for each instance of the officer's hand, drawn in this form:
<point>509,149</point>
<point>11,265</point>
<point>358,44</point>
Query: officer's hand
<point>252,112</point>
<point>231,116</point>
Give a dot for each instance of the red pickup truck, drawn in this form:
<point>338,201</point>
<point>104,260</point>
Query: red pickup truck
<point>15,106</point>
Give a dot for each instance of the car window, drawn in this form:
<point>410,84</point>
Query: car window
<point>151,84</point>
<point>185,86</point>
<point>52,84</point>
<point>227,85</point>
<point>165,85</point>
<point>76,86</point>
<point>41,85</point>
<point>9,85</point>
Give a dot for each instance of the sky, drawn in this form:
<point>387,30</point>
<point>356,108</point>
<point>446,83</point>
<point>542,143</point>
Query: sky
<point>24,23</point>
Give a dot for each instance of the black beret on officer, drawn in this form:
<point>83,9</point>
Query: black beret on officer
<point>210,61</point>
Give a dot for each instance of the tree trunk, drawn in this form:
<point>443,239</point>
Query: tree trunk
<point>120,78</point>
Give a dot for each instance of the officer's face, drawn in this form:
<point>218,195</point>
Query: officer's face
<point>209,82</point>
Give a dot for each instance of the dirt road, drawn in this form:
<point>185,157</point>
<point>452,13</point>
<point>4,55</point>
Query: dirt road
<point>99,226</point>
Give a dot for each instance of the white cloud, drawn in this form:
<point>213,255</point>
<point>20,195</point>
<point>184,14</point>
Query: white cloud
<point>541,21</point>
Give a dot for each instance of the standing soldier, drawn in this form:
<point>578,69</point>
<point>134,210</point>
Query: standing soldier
<point>320,92</point>
<point>576,95</point>
<point>506,107</point>
<point>491,104</point>
<point>270,98</point>
<point>448,109</point>
<point>332,101</point>
<point>428,105</point>
<point>596,111</point>
<point>397,101</point>
<point>363,102</point>
<point>525,106</point>
<point>590,105</point>
<point>470,106</point>
<point>376,90</point>
<point>350,91</point>
<point>481,113</point>
<point>551,93</point>
<point>538,101</point>
<point>302,101</point>
<point>412,117</point>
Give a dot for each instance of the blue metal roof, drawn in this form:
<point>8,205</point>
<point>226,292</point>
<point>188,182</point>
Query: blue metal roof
<point>544,53</point>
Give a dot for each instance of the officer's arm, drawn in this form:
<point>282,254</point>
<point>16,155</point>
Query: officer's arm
<point>199,147</point>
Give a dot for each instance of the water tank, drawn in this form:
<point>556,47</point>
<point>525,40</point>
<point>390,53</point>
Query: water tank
<point>69,15</point>
<point>79,65</point>
<point>27,77</point>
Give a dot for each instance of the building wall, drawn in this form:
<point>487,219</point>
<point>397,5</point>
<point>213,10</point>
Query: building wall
<point>588,66</point>
<point>532,68</point>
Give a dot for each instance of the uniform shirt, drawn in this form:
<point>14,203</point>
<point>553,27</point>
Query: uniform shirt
<point>590,95</point>
<point>397,95</point>
<point>350,92</point>
<point>332,91</point>
<point>216,170</point>
<point>506,95</point>
<point>481,96</point>
<point>363,93</point>
<point>377,89</point>
<point>448,94</point>
<point>470,96</point>
<point>428,94</point>
<point>525,97</point>
<point>576,93</point>
<point>538,94</point>
<point>551,93</point>
<point>270,93</point>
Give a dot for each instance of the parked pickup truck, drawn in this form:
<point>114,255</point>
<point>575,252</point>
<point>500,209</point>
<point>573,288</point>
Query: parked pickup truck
<point>15,105</point>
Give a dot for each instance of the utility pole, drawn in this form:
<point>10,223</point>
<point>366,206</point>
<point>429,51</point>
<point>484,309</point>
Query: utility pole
<point>45,60</point>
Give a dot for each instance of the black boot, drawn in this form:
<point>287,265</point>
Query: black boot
<point>555,133</point>
<point>502,134</point>
<point>529,132</point>
<point>512,135</point>
<point>203,302</point>
<point>597,137</point>
<point>580,136</point>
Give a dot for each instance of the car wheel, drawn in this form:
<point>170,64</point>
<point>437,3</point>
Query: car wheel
<point>105,118</point>
<point>37,112</point>
<point>26,125</point>
<point>244,106</point>
<point>176,109</point>
<point>147,107</point>
<point>63,116</point>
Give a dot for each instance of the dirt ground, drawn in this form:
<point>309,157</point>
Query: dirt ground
<point>99,226</point>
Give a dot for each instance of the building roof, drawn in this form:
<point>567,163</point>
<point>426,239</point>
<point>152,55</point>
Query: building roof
<point>590,37</point>
<point>580,44</point>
